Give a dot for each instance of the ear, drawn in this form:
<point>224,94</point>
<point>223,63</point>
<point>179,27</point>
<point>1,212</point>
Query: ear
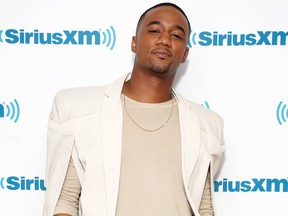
<point>186,52</point>
<point>133,44</point>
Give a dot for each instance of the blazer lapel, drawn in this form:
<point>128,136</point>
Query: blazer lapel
<point>190,138</point>
<point>111,132</point>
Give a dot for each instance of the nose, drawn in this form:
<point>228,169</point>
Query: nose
<point>164,39</point>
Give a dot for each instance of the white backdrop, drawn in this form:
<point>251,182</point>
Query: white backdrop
<point>237,66</point>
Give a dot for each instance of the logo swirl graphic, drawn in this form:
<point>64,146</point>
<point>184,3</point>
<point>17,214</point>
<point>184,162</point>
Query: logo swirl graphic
<point>1,31</point>
<point>2,183</point>
<point>282,113</point>
<point>109,37</point>
<point>12,110</point>
<point>206,104</point>
<point>192,40</point>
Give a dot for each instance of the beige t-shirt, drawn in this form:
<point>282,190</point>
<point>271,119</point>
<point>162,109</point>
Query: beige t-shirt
<point>151,178</point>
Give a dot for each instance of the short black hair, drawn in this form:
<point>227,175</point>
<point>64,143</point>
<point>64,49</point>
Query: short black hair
<point>160,5</point>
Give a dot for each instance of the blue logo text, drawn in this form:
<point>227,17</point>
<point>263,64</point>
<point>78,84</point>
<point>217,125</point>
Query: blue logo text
<point>65,37</point>
<point>22,183</point>
<point>253,185</point>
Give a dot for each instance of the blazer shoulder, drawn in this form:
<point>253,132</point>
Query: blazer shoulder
<point>210,121</point>
<point>76,102</point>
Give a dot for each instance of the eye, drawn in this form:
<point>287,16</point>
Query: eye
<point>154,31</point>
<point>176,36</point>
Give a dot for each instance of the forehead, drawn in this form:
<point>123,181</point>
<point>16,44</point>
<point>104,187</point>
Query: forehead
<point>166,15</point>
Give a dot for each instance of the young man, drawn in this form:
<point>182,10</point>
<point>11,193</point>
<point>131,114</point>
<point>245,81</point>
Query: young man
<point>135,147</point>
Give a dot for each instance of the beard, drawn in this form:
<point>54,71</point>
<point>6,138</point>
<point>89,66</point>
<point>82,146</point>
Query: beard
<point>159,69</point>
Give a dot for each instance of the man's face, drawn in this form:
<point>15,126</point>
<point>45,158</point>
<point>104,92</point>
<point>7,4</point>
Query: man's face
<point>161,41</point>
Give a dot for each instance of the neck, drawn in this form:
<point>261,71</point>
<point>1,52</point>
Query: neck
<point>148,88</point>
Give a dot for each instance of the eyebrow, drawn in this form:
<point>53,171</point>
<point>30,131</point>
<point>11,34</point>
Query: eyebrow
<point>159,23</point>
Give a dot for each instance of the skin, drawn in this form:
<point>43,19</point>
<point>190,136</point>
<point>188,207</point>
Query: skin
<point>160,46</point>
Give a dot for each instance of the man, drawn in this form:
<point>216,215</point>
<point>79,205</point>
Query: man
<point>135,147</point>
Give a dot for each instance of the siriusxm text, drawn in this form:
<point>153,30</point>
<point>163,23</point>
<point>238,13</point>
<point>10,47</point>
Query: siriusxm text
<point>74,37</point>
<point>268,38</point>
<point>252,185</point>
<point>22,183</point>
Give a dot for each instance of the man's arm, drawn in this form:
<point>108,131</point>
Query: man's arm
<point>206,208</point>
<point>69,197</point>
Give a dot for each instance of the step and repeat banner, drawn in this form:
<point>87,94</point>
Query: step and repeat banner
<point>237,66</point>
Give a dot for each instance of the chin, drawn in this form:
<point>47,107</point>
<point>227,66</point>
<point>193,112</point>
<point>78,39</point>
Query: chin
<point>160,70</point>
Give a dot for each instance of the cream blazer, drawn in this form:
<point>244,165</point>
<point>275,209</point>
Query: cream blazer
<point>86,123</point>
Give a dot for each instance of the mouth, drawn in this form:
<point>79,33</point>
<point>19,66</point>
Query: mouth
<point>162,53</point>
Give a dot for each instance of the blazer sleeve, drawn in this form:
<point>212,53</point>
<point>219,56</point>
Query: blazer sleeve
<point>218,154</point>
<point>218,158</point>
<point>60,142</point>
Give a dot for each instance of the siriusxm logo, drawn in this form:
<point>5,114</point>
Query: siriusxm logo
<point>259,38</point>
<point>253,185</point>
<point>281,113</point>
<point>65,37</point>
<point>10,110</point>
<point>22,183</point>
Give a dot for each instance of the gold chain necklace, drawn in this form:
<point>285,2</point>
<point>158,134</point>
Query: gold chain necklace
<point>145,129</point>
